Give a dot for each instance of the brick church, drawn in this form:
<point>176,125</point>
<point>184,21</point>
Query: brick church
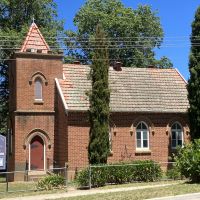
<point>48,111</point>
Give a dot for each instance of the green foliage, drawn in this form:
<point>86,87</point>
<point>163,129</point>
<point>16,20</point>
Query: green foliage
<point>174,174</point>
<point>119,173</point>
<point>133,33</point>
<point>51,181</point>
<point>82,177</point>
<point>188,161</point>
<point>99,98</point>
<point>194,81</point>
<point>15,18</point>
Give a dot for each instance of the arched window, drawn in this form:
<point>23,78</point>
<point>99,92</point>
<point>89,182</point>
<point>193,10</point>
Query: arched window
<point>142,136</point>
<point>38,89</point>
<point>176,135</point>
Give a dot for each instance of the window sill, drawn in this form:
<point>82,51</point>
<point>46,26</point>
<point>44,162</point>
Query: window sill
<point>176,148</point>
<point>143,151</point>
<point>40,102</point>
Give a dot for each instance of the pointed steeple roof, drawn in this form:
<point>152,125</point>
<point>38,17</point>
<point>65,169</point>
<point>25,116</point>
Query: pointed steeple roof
<point>35,41</point>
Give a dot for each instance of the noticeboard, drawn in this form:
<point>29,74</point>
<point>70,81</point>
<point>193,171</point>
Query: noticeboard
<point>2,152</point>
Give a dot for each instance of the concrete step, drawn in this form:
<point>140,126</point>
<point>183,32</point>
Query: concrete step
<point>36,175</point>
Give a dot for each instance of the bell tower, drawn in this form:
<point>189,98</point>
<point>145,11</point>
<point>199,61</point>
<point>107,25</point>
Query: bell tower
<point>32,74</point>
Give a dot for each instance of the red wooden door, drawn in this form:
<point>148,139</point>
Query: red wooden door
<point>37,153</point>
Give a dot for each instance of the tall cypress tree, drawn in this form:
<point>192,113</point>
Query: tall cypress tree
<point>194,81</point>
<point>99,98</point>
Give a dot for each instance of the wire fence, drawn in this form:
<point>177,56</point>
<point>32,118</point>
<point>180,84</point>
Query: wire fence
<point>29,179</point>
<point>168,173</point>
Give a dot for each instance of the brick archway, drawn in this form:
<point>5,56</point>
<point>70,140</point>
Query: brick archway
<point>37,138</point>
<point>40,133</point>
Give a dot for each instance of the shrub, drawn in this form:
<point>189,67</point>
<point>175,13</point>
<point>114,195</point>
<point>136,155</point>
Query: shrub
<point>188,161</point>
<point>119,173</point>
<point>174,174</point>
<point>51,181</point>
<point>82,177</point>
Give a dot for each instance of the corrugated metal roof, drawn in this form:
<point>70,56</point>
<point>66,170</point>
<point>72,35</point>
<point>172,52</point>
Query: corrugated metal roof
<point>132,89</point>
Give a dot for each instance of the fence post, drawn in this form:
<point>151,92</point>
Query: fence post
<point>90,178</point>
<point>6,181</point>
<point>66,174</point>
<point>154,174</point>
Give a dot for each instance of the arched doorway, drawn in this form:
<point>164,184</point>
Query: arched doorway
<point>37,154</point>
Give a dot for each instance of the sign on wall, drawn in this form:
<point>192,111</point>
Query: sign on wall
<point>2,152</point>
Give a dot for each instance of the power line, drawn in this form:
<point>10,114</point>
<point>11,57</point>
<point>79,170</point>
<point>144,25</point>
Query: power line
<point>178,36</point>
<point>110,38</point>
<point>91,42</point>
<point>109,48</point>
<point>107,39</point>
<point>77,59</point>
<point>109,43</point>
<point>112,59</point>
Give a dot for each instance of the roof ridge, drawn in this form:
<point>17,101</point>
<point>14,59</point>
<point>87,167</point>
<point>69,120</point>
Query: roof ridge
<point>139,68</point>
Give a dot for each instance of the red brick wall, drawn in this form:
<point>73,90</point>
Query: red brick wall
<point>24,125</point>
<point>61,133</point>
<point>28,116</point>
<point>123,137</point>
<point>26,66</point>
<point>12,85</point>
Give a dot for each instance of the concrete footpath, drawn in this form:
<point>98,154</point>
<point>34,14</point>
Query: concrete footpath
<point>192,196</point>
<point>76,193</point>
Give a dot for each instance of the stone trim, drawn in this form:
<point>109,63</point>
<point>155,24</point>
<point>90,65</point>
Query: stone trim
<point>40,75</point>
<point>34,133</point>
<point>34,111</point>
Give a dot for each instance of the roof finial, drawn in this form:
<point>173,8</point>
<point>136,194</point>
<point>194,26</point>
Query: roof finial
<point>33,20</point>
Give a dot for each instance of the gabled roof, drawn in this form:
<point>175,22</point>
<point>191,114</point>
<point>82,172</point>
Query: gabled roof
<point>132,89</point>
<point>35,40</point>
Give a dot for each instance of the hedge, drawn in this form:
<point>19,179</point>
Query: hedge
<point>118,173</point>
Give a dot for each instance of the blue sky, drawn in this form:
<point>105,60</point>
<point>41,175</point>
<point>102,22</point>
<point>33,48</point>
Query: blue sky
<point>176,17</point>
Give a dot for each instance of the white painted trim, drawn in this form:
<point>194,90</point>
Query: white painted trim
<point>148,142</point>
<point>44,156</point>
<point>181,75</point>
<point>61,95</point>
<point>29,156</point>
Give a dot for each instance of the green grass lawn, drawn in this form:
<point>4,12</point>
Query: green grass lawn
<point>137,184</point>
<point>181,188</point>
<point>2,179</point>
<point>16,189</point>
